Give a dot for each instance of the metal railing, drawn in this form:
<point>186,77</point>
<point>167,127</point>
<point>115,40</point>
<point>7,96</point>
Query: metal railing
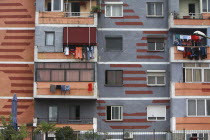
<point>188,16</point>
<point>78,14</point>
<point>67,120</point>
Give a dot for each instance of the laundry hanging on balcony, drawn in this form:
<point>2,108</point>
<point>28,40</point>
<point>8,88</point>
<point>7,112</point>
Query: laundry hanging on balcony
<point>188,40</point>
<point>79,36</point>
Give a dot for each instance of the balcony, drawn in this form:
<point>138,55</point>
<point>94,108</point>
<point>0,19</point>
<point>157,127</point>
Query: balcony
<point>78,90</point>
<point>78,124</point>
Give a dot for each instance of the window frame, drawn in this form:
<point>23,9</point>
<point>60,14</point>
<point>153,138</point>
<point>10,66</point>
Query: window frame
<point>114,37</point>
<point>205,108</point>
<point>165,112</point>
<point>111,6</point>
<point>155,45</point>
<point>52,6</point>
<point>109,85</point>
<point>121,108</point>
<point>156,71</point>
<point>195,68</point>
<point>207,6</point>
<point>46,38</point>
<point>49,113</point>
<point>147,8</point>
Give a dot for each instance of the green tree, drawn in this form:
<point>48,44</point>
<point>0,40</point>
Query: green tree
<point>9,133</point>
<point>65,133</point>
<point>45,128</point>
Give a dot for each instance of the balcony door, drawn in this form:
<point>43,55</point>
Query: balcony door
<point>191,9</point>
<point>75,8</point>
<point>74,112</point>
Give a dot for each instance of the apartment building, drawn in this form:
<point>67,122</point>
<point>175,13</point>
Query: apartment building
<point>125,67</point>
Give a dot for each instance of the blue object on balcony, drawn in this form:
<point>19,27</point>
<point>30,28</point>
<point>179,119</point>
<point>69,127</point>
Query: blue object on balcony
<point>14,112</point>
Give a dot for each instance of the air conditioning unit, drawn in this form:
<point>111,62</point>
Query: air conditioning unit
<point>128,136</point>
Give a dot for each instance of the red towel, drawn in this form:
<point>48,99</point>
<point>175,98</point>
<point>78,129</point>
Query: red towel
<point>90,87</point>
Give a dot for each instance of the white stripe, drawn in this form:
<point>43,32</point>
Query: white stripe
<point>11,28</point>
<point>191,97</point>
<point>66,25</point>
<point>136,98</point>
<point>7,62</point>
<point>133,29</point>
<point>135,133</point>
<point>64,97</point>
<point>17,97</point>
<point>157,63</point>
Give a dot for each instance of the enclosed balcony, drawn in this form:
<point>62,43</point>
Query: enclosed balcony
<point>193,13</point>
<point>67,12</point>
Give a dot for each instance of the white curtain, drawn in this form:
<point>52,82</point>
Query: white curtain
<point>108,10</point>
<point>49,39</point>
<point>116,10</point>
<point>57,5</point>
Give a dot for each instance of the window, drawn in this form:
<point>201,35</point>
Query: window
<point>156,113</point>
<point>114,43</point>
<point>155,44</point>
<point>205,5</point>
<point>198,107</point>
<point>53,113</point>
<point>197,136</point>
<point>74,112</point>
<point>49,38</point>
<point>114,113</point>
<point>195,73</point>
<point>53,5</point>
<point>154,9</point>
<point>156,78</point>
<point>114,78</point>
<point>65,72</point>
<point>114,9</point>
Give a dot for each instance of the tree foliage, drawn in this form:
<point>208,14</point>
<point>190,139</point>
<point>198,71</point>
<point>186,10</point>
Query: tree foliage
<point>65,133</point>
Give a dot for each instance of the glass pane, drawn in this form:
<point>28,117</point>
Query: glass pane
<point>49,39</point>
<point>110,77</point>
<point>204,65</point>
<point>200,107</point>
<point>189,64</point>
<point>116,10</point>
<point>188,75</point>
<point>113,43</point>
<point>159,11</point>
<point>108,10</point>
<point>108,112</point>
<point>57,75</point>
<point>151,46</point>
<point>52,65</point>
<point>159,46</point>
<point>78,65</point>
<point>53,113</point>
<point>65,65</point>
<point>151,8</point>
<point>86,75</point>
<point>119,78</point>
<point>208,107</point>
<point>151,118</point>
<point>151,79</point>
<point>160,80</point>
<point>191,107</point>
<point>208,6</point>
<point>207,75</point>
<point>40,65</point>
<point>115,113</point>
<point>72,75</point>
<point>43,75</point>
<point>57,5</point>
<point>205,136</point>
<point>204,3</point>
<point>160,118</point>
<point>196,75</point>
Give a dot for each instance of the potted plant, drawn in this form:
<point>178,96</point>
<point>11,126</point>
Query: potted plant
<point>96,9</point>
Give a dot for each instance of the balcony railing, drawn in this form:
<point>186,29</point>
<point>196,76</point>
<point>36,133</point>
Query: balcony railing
<point>188,16</point>
<point>78,14</point>
<point>67,120</point>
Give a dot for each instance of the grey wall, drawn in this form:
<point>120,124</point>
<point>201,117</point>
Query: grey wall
<point>158,91</point>
<point>129,52</point>
<point>40,5</point>
<point>178,108</point>
<point>87,107</point>
<point>40,39</point>
<point>130,107</point>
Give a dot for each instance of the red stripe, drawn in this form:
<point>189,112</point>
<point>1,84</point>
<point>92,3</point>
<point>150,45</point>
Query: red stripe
<point>138,92</point>
<point>161,101</point>
<point>129,121</point>
<point>135,85</point>
<point>15,43</point>
<point>135,114</point>
<point>11,57</point>
<point>21,85</point>
<point>129,23</point>
<point>101,114</point>
<point>134,78</point>
<point>13,65</point>
<point>22,100</point>
<point>20,31</point>
<point>101,101</point>
<point>8,113</point>
<point>141,50</point>
<point>15,16</point>
<point>18,37</point>
<point>12,50</point>
<point>21,78</point>
<point>126,17</point>
<point>17,71</point>
<point>141,44</point>
<point>149,57</point>
<point>19,22</point>
<point>134,72</point>
<point>145,38</point>
<point>21,91</point>
<point>129,127</point>
<point>13,10</point>
<point>126,65</point>
<point>101,107</point>
<point>168,106</point>
<point>128,10</point>
<point>19,106</point>
<point>205,89</point>
<point>11,4</point>
<point>155,32</point>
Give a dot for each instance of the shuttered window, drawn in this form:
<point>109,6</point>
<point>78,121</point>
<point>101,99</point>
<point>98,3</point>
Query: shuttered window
<point>114,78</point>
